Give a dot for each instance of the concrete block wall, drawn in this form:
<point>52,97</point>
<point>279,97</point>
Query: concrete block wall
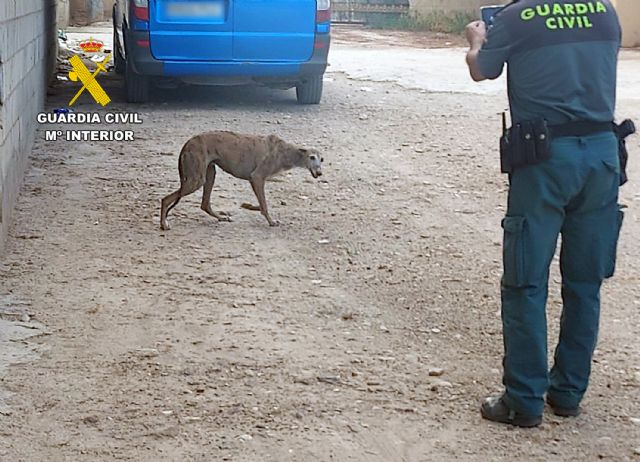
<point>108,8</point>
<point>64,14</point>
<point>84,12</point>
<point>628,10</point>
<point>28,48</point>
<point>629,13</point>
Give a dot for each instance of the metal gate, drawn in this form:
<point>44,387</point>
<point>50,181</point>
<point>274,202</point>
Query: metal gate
<point>360,11</point>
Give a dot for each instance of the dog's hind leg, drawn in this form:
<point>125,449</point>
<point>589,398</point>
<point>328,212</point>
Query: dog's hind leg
<point>188,186</point>
<point>191,167</point>
<point>167,204</point>
<point>206,194</point>
<point>257,183</point>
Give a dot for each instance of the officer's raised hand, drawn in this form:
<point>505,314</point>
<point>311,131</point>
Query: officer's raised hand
<point>476,32</point>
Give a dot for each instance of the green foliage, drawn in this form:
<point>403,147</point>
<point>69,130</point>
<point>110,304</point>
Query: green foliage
<point>435,21</point>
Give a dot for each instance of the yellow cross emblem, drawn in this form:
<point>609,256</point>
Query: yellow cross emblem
<point>88,80</point>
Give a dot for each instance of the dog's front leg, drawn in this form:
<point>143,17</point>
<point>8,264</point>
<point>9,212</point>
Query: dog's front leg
<point>257,183</point>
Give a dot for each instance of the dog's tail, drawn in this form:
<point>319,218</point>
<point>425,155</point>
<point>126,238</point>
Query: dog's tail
<point>183,153</point>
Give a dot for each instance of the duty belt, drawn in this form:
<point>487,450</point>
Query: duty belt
<point>580,128</point>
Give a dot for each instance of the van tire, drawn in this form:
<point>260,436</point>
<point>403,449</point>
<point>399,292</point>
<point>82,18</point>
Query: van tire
<point>137,86</point>
<point>118,60</point>
<point>309,91</point>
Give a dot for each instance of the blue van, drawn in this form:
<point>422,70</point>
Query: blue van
<point>277,43</point>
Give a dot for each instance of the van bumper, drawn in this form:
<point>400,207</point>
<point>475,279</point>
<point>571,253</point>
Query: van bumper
<point>142,62</point>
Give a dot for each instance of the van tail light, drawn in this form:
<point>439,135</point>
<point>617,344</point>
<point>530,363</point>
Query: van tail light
<point>323,13</point>
<point>141,9</point>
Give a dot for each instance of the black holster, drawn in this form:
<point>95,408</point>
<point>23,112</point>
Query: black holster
<point>622,131</point>
<point>525,143</point>
<point>529,142</point>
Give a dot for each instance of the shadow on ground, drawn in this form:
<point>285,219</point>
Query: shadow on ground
<point>182,97</point>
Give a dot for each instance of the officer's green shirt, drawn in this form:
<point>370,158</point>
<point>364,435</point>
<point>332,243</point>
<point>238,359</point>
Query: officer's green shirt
<point>562,59</point>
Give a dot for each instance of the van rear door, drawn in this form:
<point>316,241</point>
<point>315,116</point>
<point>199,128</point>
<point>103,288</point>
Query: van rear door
<point>191,30</point>
<point>273,30</point>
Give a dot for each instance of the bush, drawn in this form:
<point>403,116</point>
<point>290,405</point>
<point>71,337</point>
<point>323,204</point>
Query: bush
<point>436,21</point>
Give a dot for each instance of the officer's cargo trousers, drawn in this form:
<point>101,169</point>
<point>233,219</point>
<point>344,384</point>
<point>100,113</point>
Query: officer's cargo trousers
<point>575,194</point>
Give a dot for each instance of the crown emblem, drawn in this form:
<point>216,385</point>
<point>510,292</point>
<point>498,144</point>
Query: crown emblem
<point>91,45</point>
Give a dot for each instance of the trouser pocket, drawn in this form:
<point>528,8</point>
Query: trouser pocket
<point>614,244</point>
<point>513,252</point>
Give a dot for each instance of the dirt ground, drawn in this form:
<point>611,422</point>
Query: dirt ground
<point>365,328</point>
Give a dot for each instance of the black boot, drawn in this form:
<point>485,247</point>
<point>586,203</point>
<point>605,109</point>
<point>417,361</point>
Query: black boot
<point>496,410</point>
<point>563,411</point>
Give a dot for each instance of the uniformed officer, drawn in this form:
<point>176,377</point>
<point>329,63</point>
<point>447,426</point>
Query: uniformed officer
<point>561,58</point>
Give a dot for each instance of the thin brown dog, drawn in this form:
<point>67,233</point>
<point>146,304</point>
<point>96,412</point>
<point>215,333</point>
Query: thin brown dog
<point>249,157</point>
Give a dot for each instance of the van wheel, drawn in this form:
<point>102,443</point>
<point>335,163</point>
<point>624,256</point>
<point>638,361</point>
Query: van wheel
<point>309,91</point>
<point>118,59</point>
<point>137,86</point>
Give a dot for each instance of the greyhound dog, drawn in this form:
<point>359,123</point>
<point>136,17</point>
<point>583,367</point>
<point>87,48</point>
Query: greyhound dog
<point>248,157</point>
